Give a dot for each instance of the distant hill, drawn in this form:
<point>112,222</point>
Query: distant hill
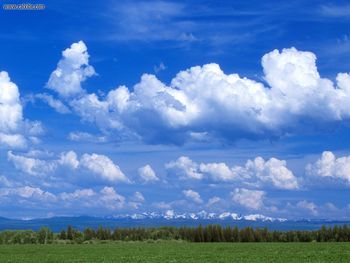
<point>169,218</point>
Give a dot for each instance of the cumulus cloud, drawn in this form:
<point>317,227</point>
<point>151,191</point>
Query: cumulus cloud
<point>13,140</point>
<point>103,166</point>
<point>328,166</point>
<point>272,172</point>
<point>147,174</point>
<point>100,165</point>
<point>251,199</point>
<point>14,130</point>
<point>69,159</point>
<point>27,192</point>
<point>193,196</point>
<point>77,194</point>
<point>31,166</point>
<point>106,198</point>
<point>258,172</point>
<point>204,100</point>
<point>111,199</point>
<point>71,71</point>
<point>184,168</point>
<point>10,107</point>
<point>218,171</point>
<point>138,197</point>
<point>308,206</point>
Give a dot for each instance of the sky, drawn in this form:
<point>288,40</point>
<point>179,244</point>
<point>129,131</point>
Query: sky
<point>121,107</point>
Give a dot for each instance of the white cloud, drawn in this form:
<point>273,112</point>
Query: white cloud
<point>31,166</point>
<point>77,194</point>
<point>69,159</point>
<point>138,197</point>
<point>58,105</point>
<point>111,199</point>
<point>143,21</point>
<point>5,182</point>
<point>13,140</point>
<point>213,201</point>
<point>205,100</point>
<point>103,166</point>
<point>159,68</point>
<point>258,172</point>
<point>100,165</point>
<point>10,106</point>
<point>27,192</point>
<point>107,197</point>
<point>193,196</point>
<point>336,11</point>
<point>147,174</point>
<point>91,109</point>
<point>85,137</point>
<point>78,201</point>
<point>163,206</point>
<point>269,172</point>
<point>71,71</point>
<point>14,130</point>
<point>251,199</point>
<point>328,166</point>
<point>308,206</point>
<point>218,171</point>
<point>184,168</point>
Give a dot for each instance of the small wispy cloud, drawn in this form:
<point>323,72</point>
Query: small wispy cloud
<point>159,68</point>
<point>336,11</point>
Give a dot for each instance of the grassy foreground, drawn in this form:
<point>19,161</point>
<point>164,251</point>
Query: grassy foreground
<point>178,252</point>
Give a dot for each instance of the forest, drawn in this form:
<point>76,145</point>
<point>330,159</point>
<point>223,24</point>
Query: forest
<point>209,233</point>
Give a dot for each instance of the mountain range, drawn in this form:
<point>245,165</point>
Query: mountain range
<point>168,218</point>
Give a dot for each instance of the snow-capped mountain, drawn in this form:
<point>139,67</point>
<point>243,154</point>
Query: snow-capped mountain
<point>171,215</point>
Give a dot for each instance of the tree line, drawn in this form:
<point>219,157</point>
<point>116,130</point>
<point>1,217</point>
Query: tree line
<point>209,233</point>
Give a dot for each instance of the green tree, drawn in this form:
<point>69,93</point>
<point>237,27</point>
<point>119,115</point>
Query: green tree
<point>62,235</point>
<point>70,232</point>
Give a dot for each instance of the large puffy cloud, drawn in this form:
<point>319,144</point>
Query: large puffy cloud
<point>193,196</point>
<point>69,159</point>
<point>27,192</point>
<point>203,100</point>
<point>272,172</point>
<point>30,165</point>
<point>258,172</point>
<point>105,198</point>
<point>328,166</point>
<point>97,164</point>
<point>251,199</point>
<point>218,171</point>
<point>103,166</point>
<point>10,107</point>
<point>71,70</point>
<point>147,174</point>
<point>185,168</point>
<point>14,130</point>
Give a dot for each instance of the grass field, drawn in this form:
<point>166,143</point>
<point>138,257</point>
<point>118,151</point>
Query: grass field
<point>178,252</point>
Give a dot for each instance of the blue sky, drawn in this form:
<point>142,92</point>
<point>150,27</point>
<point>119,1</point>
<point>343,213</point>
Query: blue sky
<point>133,106</point>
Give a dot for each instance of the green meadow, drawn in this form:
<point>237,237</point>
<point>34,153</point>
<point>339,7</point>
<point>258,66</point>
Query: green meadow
<point>177,251</point>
